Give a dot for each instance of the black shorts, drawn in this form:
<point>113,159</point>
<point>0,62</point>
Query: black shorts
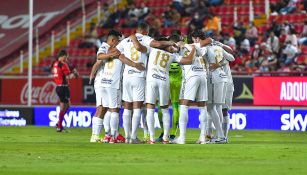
<point>64,93</point>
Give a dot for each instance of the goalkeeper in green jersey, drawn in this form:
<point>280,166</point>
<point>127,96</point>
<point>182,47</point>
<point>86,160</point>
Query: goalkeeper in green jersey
<point>175,77</point>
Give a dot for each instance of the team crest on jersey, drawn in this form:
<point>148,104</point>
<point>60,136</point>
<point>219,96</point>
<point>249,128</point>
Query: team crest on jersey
<point>156,76</point>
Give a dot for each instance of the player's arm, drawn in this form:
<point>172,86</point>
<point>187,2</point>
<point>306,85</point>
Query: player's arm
<point>113,52</point>
<point>225,47</point>
<point>68,73</point>
<point>161,44</point>
<point>188,59</point>
<point>95,67</point>
<point>214,66</point>
<point>228,56</point>
<point>205,42</point>
<point>138,46</point>
<point>127,61</point>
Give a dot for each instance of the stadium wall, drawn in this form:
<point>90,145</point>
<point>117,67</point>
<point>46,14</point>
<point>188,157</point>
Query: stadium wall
<point>240,119</point>
<point>249,91</point>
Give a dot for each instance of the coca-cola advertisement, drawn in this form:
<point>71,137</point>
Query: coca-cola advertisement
<point>15,91</point>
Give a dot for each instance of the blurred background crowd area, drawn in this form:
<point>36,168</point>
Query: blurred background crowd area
<point>277,44</point>
<point>268,36</point>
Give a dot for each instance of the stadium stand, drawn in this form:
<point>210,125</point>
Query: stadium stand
<point>168,15</point>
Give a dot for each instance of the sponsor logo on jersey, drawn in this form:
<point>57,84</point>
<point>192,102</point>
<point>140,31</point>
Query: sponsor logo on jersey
<point>133,72</point>
<point>156,76</point>
<point>197,69</point>
<point>106,81</point>
<point>222,75</point>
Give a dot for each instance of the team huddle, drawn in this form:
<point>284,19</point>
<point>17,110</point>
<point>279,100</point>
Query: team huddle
<point>141,72</point>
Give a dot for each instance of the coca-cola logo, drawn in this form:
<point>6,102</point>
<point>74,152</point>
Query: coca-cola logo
<point>44,94</point>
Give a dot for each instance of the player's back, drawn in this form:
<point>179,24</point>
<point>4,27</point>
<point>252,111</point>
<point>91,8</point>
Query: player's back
<point>159,62</point>
<point>214,56</point>
<point>127,48</point>
<point>103,49</point>
<point>197,68</point>
<point>112,73</point>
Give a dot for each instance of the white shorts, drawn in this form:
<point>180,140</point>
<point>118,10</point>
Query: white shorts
<point>157,90</point>
<point>99,96</point>
<point>229,94</point>
<point>111,98</point>
<point>133,89</point>
<point>194,89</point>
<point>216,93</point>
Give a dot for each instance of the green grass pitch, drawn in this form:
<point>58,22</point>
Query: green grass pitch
<point>40,150</point>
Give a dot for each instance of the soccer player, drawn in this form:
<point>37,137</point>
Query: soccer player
<point>228,98</point>
<point>134,80</point>
<point>108,88</point>
<point>62,73</point>
<point>216,88</point>
<point>175,77</point>
<point>157,85</point>
<point>193,89</point>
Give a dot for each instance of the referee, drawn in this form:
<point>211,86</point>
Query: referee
<point>62,73</point>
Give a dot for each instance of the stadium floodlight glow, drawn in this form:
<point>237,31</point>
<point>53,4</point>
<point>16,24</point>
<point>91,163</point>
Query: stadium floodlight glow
<point>30,52</point>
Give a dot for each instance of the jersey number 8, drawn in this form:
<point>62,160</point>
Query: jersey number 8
<point>110,64</point>
<point>134,54</point>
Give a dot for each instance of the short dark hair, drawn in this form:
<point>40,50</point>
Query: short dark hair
<point>198,33</point>
<point>114,33</point>
<point>162,39</point>
<point>143,26</point>
<point>61,53</point>
<point>176,38</point>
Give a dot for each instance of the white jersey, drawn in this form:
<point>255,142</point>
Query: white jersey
<point>127,48</point>
<point>99,75</point>
<point>197,68</point>
<point>112,74</point>
<point>215,54</point>
<point>227,70</point>
<point>159,63</point>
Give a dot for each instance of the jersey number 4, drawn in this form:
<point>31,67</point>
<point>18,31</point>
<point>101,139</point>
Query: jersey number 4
<point>164,59</point>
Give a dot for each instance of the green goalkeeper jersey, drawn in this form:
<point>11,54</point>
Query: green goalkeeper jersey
<point>175,73</point>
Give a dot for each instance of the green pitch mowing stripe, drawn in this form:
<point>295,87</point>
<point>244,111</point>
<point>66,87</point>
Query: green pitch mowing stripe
<point>40,150</point>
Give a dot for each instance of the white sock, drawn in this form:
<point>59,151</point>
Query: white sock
<point>183,120</point>
<point>202,120</point>
<point>136,117</point>
<point>127,122</point>
<point>220,112</point>
<point>216,121</point>
<point>166,123</point>
<point>114,123</point>
<point>225,125</point>
<point>151,123</point>
<point>96,125</point>
<point>209,121</point>
<point>106,122</point>
<point>143,116</point>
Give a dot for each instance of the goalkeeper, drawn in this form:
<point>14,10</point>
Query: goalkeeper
<point>175,77</point>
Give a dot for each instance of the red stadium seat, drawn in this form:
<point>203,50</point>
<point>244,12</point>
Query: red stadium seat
<point>304,49</point>
<point>244,10</point>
